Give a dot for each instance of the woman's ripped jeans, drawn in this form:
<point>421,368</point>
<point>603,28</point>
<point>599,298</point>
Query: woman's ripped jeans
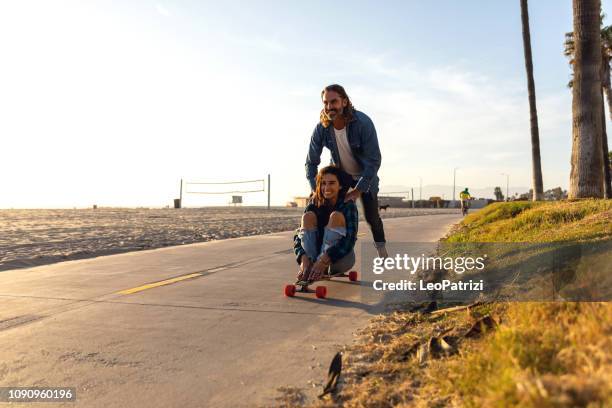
<point>309,238</point>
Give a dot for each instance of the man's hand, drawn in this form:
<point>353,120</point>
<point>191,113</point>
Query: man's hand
<point>352,195</point>
<point>304,266</point>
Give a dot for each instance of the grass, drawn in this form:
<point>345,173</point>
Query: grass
<point>524,221</point>
<point>543,355</point>
<point>555,354</point>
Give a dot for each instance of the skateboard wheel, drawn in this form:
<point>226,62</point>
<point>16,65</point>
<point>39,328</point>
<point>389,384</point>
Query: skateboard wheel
<point>290,290</point>
<point>352,276</point>
<point>321,292</point>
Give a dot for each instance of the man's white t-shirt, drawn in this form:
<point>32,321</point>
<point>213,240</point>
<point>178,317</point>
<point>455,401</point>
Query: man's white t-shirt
<point>347,160</point>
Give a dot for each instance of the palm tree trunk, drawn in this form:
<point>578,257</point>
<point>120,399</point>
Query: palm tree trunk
<point>604,139</point>
<point>538,189</point>
<point>606,160</point>
<point>586,175</point>
<point>606,85</point>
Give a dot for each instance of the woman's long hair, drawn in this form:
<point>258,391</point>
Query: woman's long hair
<point>348,110</point>
<point>343,179</point>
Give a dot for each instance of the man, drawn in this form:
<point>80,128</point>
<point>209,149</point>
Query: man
<point>465,197</point>
<point>351,138</point>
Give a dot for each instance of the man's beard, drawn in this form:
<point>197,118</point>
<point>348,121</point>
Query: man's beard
<point>332,115</point>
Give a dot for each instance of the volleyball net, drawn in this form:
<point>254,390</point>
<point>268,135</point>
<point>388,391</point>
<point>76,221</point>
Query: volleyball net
<point>197,193</point>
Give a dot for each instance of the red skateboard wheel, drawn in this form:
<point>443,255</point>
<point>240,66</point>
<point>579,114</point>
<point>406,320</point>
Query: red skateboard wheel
<point>352,276</point>
<point>290,290</point>
<point>321,292</point>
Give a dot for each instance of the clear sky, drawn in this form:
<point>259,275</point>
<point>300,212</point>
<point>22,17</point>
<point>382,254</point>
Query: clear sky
<point>112,102</point>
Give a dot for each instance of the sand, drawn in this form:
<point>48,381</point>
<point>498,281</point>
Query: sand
<point>38,237</point>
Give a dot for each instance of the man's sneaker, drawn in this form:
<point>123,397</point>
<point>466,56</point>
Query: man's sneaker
<point>382,252</point>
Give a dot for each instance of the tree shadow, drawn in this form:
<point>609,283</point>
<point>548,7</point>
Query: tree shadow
<point>571,271</point>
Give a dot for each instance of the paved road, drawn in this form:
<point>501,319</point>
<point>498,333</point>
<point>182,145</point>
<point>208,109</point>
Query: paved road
<point>192,326</point>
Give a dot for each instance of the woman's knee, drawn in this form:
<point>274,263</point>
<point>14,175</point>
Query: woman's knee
<point>309,220</point>
<point>336,219</point>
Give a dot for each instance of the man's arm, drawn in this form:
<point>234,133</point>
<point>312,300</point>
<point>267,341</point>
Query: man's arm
<point>313,159</point>
<point>371,159</point>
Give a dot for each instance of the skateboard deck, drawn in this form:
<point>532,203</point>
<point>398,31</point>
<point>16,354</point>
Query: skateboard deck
<point>320,291</point>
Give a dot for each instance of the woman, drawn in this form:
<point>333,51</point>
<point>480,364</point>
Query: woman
<point>328,233</point>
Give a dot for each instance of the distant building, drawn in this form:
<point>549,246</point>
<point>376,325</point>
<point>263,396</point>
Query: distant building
<point>393,202</point>
<point>301,201</point>
<point>436,202</point>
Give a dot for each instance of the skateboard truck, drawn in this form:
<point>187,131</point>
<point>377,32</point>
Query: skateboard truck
<point>320,291</point>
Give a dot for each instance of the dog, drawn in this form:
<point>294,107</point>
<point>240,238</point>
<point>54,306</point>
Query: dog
<point>384,207</point>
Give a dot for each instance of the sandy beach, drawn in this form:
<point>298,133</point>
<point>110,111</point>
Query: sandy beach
<point>37,237</point>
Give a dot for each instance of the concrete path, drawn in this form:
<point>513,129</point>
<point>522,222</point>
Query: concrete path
<point>201,325</point>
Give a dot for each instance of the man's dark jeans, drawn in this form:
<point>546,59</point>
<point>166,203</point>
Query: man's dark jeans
<point>370,206</point>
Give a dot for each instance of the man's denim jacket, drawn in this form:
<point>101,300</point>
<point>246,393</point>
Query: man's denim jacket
<point>362,138</point>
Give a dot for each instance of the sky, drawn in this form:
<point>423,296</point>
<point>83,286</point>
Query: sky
<point>113,103</point>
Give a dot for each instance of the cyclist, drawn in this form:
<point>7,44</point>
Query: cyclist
<point>465,204</point>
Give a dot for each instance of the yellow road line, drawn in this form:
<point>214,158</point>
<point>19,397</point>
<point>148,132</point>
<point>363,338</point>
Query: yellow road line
<point>160,283</point>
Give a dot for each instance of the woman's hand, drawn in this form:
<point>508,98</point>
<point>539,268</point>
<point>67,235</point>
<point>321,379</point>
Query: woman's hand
<point>319,268</point>
<point>304,265</point>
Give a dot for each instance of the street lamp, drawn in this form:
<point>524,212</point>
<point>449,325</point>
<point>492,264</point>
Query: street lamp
<point>454,178</point>
<point>507,185</point>
<point>420,188</point>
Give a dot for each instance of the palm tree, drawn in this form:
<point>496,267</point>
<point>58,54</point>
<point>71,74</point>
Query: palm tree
<point>538,189</point>
<point>606,57</point>
<point>604,148</point>
<point>586,175</point>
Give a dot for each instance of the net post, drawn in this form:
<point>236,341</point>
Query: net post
<point>268,191</point>
<point>181,195</point>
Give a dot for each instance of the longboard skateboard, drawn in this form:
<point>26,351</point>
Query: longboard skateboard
<point>320,291</point>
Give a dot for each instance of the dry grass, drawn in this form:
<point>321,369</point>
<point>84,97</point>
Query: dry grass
<point>532,355</point>
<point>543,355</point>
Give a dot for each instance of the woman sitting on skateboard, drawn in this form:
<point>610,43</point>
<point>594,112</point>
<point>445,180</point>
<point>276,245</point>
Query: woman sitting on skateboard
<point>326,240</point>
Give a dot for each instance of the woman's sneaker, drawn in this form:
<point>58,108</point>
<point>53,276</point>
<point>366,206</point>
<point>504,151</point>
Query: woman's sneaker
<point>307,276</point>
<point>331,275</point>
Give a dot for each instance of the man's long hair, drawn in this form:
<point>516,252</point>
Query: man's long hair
<point>347,112</point>
<point>343,179</point>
